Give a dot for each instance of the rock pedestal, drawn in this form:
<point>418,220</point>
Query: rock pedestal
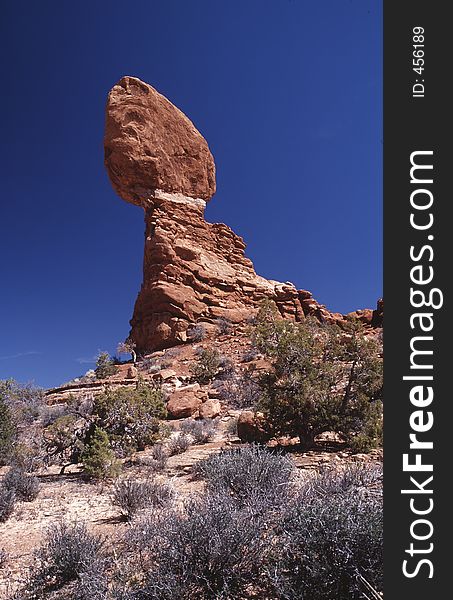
<point>192,270</point>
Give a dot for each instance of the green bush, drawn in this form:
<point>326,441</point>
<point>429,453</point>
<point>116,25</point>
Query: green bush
<point>322,379</point>
<point>130,416</point>
<point>98,458</point>
<point>207,366</point>
<point>8,432</point>
<point>105,366</point>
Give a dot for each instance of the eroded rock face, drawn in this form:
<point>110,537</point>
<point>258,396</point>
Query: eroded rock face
<point>151,145</point>
<point>192,270</point>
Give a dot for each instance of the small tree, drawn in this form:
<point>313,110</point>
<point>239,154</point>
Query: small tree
<point>64,439</point>
<point>128,347</point>
<point>207,366</point>
<point>322,379</point>
<point>98,458</point>
<point>105,366</point>
<point>130,416</point>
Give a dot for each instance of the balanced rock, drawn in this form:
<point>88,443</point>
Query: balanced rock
<point>151,146</point>
<point>193,271</point>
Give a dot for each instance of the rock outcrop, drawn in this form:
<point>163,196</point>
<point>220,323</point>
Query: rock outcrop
<point>193,270</point>
<point>251,427</point>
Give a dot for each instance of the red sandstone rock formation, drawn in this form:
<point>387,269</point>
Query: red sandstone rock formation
<point>151,145</point>
<point>193,270</point>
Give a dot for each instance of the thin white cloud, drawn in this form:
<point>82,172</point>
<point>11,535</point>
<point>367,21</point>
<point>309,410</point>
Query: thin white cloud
<point>86,361</point>
<point>20,355</point>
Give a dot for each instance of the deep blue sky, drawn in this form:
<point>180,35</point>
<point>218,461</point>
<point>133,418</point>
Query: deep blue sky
<point>288,95</point>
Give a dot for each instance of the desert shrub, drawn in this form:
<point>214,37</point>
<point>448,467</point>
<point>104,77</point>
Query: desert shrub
<point>329,536</point>
<point>197,333</point>
<point>212,549</point>
<point>202,431</point>
<point>131,496</point>
<point>148,365</point>
<point>25,400</point>
<point>247,473</point>
<point>207,366</point>
<point>178,444</point>
<point>8,432</point>
<point>50,414</point>
<point>159,458</point>
<point>268,326</point>
<point>130,416</point>
<point>160,492</point>
<point>352,478</point>
<point>166,364</point>
<point>20,407</point>
<point>322,379</point>
<point>250,354</point>
<point>7,502</point>
<point>105,366</point>
<point>64,439</point>
<point>173,352</point>
<point>68,552</point>
<point>25,486</point>
<point>251,320</point>
<point>81,406</point>
<point>3,557</point>
<point>231,428</point>
<point>226,368</point>
<point>29,455</point>
<point>224,326</point>
<point>240,390</point>
<point>98,458</point>
<point>93,584</point>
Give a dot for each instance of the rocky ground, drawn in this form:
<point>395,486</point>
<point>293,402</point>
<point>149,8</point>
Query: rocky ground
<point>73,498</point>
<point>70,496</point>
